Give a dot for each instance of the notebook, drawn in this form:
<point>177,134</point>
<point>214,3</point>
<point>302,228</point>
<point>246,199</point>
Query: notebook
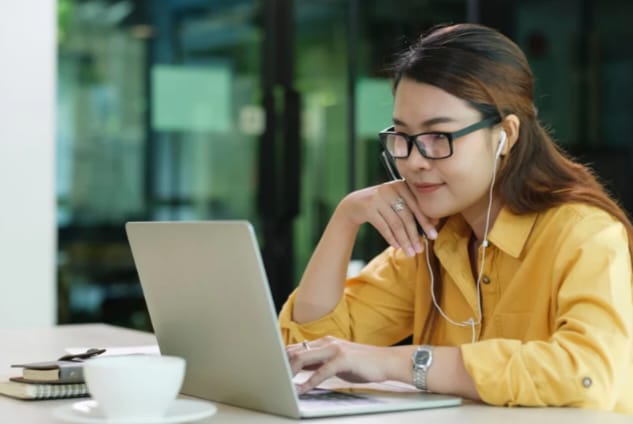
<point>209,301</point>
<point>23,390</point>
<point>52,372</point>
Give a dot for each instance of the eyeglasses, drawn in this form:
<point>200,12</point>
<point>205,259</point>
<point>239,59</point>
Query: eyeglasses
<point>431,145</point>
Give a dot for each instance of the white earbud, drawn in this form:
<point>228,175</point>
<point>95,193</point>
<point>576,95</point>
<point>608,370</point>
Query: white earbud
<point>502,144</point>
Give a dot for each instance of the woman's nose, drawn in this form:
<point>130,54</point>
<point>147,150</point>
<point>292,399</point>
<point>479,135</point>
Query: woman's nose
<point>416,159</point>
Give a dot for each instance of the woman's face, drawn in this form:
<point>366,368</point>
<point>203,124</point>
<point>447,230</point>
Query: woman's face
<point>459,183</point>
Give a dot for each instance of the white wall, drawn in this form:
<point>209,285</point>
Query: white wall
<point>27,149</point>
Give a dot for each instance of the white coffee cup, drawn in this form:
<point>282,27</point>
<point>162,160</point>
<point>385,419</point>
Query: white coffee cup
<point>134,386</point>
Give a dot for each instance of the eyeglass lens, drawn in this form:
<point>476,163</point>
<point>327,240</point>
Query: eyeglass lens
<point>432,145</point>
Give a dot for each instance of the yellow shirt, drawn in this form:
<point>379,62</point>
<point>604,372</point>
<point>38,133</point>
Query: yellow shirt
<point>557,325</point>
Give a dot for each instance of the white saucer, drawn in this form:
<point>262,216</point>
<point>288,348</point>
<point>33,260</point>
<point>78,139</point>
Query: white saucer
<point>181,410</point>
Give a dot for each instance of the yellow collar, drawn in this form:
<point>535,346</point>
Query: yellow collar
<point>509,232</point>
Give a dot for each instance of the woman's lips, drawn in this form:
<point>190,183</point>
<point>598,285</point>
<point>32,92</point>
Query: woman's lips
<point>427,188</point>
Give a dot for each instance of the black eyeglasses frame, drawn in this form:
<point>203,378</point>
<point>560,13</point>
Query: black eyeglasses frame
<point>450,136</point>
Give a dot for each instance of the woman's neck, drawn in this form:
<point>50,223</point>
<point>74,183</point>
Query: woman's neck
<point>475,216</point>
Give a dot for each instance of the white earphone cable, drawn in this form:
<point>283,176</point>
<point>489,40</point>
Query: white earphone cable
<point>470,322</point>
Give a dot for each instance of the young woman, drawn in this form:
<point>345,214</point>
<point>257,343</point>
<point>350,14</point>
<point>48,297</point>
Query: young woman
<point>520,292</point>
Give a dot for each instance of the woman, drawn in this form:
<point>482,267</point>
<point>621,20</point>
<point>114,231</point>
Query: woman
<point>520,293</point>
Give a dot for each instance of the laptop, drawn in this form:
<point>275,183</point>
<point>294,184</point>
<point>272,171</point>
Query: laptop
<point>209,302</point>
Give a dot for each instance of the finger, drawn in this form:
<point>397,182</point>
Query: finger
<point>409,222</point>
<point>397,208</point>
<point>397,226</point>
<point>297,362</point>
<point>383,227</point>
<point>426,223</point>
<point>325,371</point>
<point>320,342</point>
<point>308,358</point>
<point>317,352</point>
<point>294,347</point>
<point>293,353</point>
<point>307,345</point>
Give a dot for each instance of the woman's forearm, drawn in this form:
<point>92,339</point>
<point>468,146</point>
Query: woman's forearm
<point>321,286</point>
<point>447,374</point>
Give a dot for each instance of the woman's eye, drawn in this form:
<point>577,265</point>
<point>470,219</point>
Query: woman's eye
<point>438,136</point>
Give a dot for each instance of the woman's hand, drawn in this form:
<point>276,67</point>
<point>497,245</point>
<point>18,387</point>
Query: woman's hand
<point>359,363</point>
<point>393,210</point>
<point>321,287</point>
<point>353,362</point>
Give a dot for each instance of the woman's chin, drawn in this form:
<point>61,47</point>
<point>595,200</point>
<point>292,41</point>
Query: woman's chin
<point>436,212</point>
<point>435,215</point>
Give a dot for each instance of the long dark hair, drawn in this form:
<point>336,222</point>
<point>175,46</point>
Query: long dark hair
<point>490,72</point>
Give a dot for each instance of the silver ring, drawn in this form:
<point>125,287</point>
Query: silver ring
<point>398,205</point>
<point>305,345</point>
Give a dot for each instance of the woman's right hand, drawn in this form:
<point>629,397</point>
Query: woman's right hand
<point>393,210</point>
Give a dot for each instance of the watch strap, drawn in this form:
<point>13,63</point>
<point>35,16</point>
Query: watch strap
<point>420,371</point>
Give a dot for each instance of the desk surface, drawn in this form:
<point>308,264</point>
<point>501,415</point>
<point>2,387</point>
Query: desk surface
<point>19,346</point>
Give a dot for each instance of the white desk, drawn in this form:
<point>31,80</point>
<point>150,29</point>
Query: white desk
<point>19,346</point>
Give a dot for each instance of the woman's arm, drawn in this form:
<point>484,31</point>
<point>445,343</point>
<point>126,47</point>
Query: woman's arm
<point>446,375</point>
<point>364,363</point>
<point>586,362</point>
<point>321,287</point>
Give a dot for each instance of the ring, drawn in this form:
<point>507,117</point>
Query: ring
<point>398,205</point>
<point>305,345</point>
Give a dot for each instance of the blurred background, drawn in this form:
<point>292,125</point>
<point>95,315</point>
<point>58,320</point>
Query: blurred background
<point>268,110</point>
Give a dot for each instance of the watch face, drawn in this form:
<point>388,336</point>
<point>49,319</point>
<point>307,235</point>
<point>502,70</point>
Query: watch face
<point>422,357</point>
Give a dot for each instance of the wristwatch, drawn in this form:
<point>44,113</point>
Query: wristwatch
<point>422,360</point>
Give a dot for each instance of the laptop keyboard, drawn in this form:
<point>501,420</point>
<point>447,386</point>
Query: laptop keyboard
<point>316,397</point>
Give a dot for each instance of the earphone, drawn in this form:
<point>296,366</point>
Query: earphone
<point>502,144</point>
<point>470,322</point>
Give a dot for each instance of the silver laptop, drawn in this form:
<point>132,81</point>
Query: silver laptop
<point>209,302</point>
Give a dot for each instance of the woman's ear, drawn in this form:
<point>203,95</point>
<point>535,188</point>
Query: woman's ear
<point>511,125</point>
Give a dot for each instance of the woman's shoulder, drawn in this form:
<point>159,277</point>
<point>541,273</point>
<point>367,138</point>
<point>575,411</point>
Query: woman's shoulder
<point>578,221</point>
<point>574,213</point>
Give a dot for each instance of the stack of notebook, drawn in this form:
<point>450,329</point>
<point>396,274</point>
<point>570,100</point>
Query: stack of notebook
<point>62,378</point>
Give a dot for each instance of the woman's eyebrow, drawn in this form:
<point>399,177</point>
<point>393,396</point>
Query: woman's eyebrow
<point>428,122</point>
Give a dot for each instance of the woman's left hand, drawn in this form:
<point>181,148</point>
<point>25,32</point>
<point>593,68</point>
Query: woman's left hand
<point>329,357</point>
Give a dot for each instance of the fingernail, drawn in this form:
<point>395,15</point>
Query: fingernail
<point>410,251</point>
<point>432,234</point>
<point>418,247</point>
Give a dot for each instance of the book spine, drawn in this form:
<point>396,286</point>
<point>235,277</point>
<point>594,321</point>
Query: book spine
<point>52,391</point>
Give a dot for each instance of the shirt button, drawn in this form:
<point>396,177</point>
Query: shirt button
<point>586,382</point>
<point>485,279</point>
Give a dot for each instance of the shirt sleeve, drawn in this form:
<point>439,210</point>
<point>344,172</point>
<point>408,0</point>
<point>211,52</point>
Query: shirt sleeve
<point>377,306</point>
<point>582,363</point>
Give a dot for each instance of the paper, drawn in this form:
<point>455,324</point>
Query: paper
<point>119,350</point>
